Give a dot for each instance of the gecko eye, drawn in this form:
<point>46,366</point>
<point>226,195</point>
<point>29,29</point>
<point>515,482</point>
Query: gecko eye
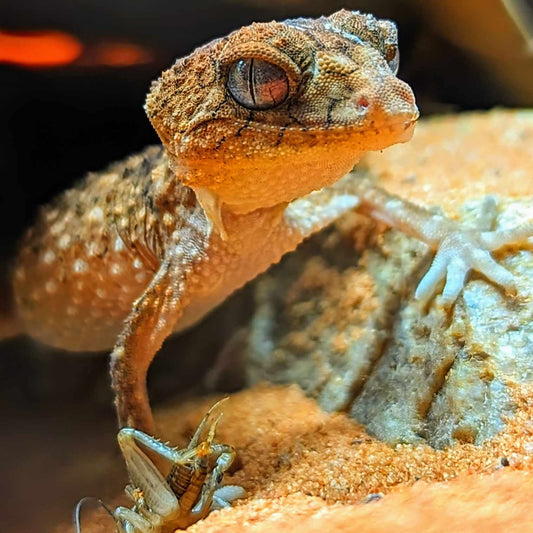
<point>257,84</point>
<point>392,56</point>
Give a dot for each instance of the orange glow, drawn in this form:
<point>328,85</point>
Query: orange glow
<point>55,49</point>
<point>39,49</point>
<point>120,54</point>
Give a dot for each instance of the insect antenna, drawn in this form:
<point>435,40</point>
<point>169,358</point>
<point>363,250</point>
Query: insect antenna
<point>79,505</point>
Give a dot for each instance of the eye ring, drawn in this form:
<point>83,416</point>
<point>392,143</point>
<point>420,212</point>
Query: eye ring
<point>257,84</point>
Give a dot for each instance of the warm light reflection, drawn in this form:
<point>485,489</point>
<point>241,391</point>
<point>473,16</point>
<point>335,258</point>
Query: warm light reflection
<point>39,49</point>
<point>118,54</point>
<point>55,49</point>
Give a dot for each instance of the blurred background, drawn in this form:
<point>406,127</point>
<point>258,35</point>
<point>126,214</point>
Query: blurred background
<point>73,77</point>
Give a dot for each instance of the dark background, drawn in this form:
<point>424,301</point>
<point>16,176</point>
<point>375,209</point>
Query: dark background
<point>56,123</point>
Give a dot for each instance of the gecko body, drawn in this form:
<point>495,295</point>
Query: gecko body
<point>258,130</point>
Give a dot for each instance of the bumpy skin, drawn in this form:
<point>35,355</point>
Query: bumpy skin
<point>343,101</point>
<point>153,243</point>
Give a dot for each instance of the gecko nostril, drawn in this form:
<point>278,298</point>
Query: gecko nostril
<point>363,103</point>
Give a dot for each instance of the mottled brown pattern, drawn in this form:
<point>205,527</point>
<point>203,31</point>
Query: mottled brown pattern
<point>157,241</point>
<point>151,244</point>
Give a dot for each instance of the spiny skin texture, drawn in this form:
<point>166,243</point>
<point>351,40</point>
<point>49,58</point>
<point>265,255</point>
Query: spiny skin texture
<point>343,101</point>
<point>94,251</point>
<point>251,124</point>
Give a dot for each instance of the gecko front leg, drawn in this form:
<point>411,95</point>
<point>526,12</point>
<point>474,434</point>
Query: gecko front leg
<point>150,322</point>
<point>458,248</point>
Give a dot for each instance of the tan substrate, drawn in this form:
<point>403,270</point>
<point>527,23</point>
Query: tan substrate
<point>499,503</point>
<point>428,169</point>
<point>297,461</point>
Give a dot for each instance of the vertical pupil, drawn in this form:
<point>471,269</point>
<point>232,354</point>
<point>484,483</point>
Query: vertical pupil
<point>251,80</point>
<point>257,84</point>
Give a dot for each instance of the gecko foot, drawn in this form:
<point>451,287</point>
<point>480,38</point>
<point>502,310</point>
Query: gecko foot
<point>462,250</point>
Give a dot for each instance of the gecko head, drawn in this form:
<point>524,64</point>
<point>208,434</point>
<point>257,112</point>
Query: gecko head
<point>276,110</point>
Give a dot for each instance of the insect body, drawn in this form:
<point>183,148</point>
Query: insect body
<point>170,488</point>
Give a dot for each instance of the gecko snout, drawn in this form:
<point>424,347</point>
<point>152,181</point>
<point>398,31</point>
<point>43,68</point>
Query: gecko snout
<point>391,102</point>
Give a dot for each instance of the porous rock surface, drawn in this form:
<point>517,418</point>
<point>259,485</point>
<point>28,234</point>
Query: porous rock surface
<point>338,317</point>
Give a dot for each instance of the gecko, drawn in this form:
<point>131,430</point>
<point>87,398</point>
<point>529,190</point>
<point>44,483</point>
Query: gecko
<point>259,130</point>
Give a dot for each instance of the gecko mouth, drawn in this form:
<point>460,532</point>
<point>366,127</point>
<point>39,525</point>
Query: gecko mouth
<point>408,130</point>
<point>401,127</point>
<point>376,133</point>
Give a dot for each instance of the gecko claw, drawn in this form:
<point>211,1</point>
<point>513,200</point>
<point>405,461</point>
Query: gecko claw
<point>462,251</point>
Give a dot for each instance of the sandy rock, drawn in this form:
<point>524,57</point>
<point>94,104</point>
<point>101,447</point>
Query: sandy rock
<point>307,470</point>
<point>338,317</point>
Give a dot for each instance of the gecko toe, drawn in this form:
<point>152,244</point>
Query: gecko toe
<point>456,273</point>
<point>499,275</point>
<point>429,283</point>
<point>460,252</point>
